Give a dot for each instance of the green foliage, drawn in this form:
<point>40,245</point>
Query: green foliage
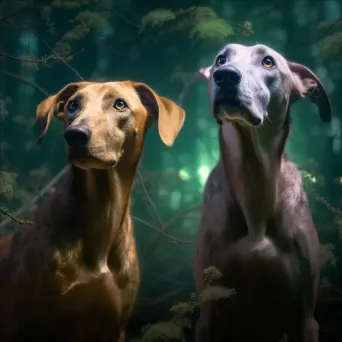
<point>212,29</point>
<point>207,25</point>
<point>332,44</point>
<point>201,22</point>
<point>246,29</point>
<point>327,255</point>
<point>7,181</point>
<point>63,49</point>
<point>330,41</point>
<point>173,330</point>
<point>156,18</point>
<point>85,21</point>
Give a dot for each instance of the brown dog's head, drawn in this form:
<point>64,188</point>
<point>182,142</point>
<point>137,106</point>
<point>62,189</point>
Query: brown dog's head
<point>248,84</point>
<point>104,121</point>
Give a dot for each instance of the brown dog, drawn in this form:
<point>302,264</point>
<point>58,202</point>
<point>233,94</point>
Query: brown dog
<point>74,275</point>
<point>256,225</point>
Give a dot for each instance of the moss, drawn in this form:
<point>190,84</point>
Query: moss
<point>174,329</point>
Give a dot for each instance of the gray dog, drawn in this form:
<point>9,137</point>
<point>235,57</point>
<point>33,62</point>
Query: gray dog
<point>256,226</point>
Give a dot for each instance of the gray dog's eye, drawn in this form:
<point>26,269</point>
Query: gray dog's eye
<point>268,62</point>
<point>220,60</point>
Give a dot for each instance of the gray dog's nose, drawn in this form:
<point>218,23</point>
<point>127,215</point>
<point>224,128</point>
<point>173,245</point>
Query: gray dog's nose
<point>227,77</point>
<point>77,135</point>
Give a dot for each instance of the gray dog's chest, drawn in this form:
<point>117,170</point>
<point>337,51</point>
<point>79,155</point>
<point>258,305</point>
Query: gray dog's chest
<point>247,255</point>
<point>213,187</point>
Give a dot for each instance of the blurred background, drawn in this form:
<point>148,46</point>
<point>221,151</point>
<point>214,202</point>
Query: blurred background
<point>46,44</point>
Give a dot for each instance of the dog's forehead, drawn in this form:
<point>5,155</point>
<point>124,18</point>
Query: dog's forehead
<point>238,51</point>
<point>109,88</point>
<point>103,91</point>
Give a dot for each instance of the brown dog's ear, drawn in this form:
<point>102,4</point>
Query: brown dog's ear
<point>170,116</point>
<point>309,85</point>
<point>54,106</point>
<point>205,72</point>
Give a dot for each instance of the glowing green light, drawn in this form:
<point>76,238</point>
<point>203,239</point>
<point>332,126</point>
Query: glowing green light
<point>183,174</point>
<point>203,173</point>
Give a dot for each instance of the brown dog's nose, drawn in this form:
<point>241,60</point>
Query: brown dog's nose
<point>227,77</point>
<point>77,135</point>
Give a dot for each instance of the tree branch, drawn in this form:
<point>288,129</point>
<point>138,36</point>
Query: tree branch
<point>19,78</point>
<point>130,22</point>
<point>55,180</point>
<point>187,87</point>
<point>16,220</point>
<point>9,16</point>
<point>42,60</point>
<point>42,39</point>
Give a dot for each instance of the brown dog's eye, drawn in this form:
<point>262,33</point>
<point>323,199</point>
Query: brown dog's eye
<point>72,106</point>
<point>220,60</point>
<point>268,62</point>
<point>120,104</point>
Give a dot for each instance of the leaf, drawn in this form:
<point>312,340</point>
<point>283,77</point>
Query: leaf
<point>7,181</point>
<point>201,13</point>
<point>210,274</point>
<point>327,255</point>
<point>62,49</point>
<point>210,293</point>
<point>76,33</point>
<point>182,308</point>
<point>247,29</point>
<point>332,44</point>
<point>163,331</point>
<point>214,29</point>
<point>91,19</point>
<point>324,24</point>
<point>156,18</point>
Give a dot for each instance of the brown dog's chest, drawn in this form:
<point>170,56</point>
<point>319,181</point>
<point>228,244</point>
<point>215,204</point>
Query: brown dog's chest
<point>89,311</point>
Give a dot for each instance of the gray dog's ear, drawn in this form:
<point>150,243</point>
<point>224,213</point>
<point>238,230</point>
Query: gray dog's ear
<point>205,72</point>
<point>308,85</point>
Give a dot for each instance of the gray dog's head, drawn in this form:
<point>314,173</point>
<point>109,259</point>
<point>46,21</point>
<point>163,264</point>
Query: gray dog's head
<point>249,84</point>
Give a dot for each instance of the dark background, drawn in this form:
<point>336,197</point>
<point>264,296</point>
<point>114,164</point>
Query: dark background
<point>47,44</point>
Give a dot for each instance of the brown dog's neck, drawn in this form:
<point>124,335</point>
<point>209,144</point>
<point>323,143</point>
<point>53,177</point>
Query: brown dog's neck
<point>90,213</point>
<point>252,160</point>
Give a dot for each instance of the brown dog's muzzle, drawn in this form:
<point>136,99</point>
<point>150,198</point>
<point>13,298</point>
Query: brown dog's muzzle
<point>77,136</point>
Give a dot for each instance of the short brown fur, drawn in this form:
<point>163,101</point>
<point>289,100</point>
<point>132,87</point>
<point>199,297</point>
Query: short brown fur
<point>74,274</point>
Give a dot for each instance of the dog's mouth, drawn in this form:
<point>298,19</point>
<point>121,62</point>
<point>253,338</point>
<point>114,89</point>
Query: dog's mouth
<point>234,109</point>
<point>85,158</point>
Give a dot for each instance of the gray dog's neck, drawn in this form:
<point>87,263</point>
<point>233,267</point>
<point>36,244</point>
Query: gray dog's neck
<point>252,160</point>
